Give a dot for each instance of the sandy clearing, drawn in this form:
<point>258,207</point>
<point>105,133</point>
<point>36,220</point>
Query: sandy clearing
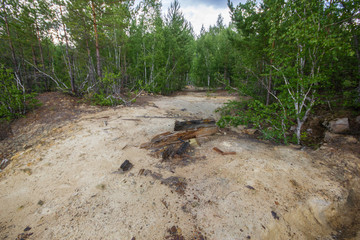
<point>66,188</point>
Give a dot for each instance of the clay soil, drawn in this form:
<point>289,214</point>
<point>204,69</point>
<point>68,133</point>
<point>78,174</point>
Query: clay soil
<point>63,180</point>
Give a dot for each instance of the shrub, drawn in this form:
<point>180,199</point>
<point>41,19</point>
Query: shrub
<point>269,120</point>
<point>103,100</point>
<point>14,102</point>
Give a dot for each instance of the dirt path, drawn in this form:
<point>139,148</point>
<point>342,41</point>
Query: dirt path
<point>65,186</point>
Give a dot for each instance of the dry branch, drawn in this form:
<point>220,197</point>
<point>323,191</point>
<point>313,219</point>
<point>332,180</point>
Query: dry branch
<point>194,124</point>
<point>222,152</point>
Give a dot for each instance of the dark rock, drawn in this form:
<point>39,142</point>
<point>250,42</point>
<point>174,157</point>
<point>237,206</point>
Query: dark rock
<point>250,187</point>
<point>27,229</point>
<point>275,216</point>
<point>126,166</point>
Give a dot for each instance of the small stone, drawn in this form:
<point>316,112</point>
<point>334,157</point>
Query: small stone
<point>250,131</point>
<point>27,229</point>
<point>275,216</point>
<point>173,230</point>
<point>339,125</point>
<point>250,187</point>
<point>126,166</point>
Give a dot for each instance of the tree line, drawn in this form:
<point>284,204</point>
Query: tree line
<point>294,55</point>
<point>288,56</point>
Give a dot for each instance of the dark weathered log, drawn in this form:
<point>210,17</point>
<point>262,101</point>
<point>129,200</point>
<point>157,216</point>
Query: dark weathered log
<point>168,153</point>
<point>194,124</point>
<point>183,148</point>
<point>169,138</point>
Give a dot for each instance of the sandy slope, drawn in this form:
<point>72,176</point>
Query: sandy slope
<point>65,188</point>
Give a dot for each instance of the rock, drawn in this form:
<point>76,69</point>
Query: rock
<point>339,125</point>
<point>275,216</point>
<point>27,229</point>
<point>250,131</point>
<point>126,166</point>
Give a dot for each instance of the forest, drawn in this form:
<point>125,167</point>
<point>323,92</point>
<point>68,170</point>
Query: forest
<point>289,56</point>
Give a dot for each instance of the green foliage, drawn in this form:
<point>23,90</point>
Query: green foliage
<point>286,55</point>
<point>294,54</point>
<point>214,57</point>
<point>14,102</point>
<point>103,99</point>
<point>267,119</point>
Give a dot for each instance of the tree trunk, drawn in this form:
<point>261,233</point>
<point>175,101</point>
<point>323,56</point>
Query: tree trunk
<point>35,64</point>
<point>10,41</point>
<point>145,73</point>
<point>356,42</point>
<point>91,65</point>
<point>124,74</point>
<point>98,61</point>
<point>47,87</point>
<point>152,63</point>
<point>269,88</point>
<point>72,81</point>
<point>270,79</point>
<point>40,47</point>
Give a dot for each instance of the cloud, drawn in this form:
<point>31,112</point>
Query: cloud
<point>201,12</point>
<point>204,15</point>
<point>213,3</point>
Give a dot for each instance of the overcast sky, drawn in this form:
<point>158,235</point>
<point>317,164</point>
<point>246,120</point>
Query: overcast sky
<point>200,12</point>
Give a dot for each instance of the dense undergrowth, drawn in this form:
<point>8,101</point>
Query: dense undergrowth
<point>14,101</point>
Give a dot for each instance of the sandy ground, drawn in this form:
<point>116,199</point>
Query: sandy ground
<point>65,187</point>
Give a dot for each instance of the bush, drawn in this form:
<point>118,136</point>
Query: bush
<point>103,100</point>
<point>14,102</point>
<point>269,120</point>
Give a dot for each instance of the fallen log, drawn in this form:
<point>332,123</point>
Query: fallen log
<point>168,138</point>
<point>194,124</point>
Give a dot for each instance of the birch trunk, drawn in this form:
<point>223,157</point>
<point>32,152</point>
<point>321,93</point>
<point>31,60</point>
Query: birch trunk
<point>98,61</point>
<point>72,81</point>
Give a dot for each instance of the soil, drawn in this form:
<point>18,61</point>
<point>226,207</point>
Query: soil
<point>64,181</point>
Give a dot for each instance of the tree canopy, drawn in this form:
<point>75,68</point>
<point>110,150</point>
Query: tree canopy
<point>288,56</point>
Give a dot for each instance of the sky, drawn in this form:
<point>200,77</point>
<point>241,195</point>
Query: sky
<point>200,12</point>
